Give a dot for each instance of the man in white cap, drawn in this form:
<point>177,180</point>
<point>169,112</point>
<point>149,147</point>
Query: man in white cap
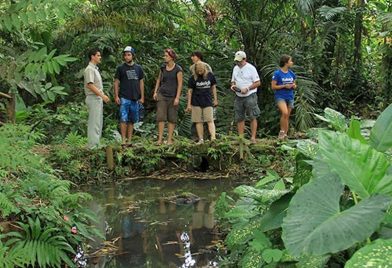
<point>128,93</point>
<point>244,83</point>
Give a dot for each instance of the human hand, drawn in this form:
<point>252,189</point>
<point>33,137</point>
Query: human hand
<point>244,90</point>
<point>176,101</point>
<point>215,103</point>
<point>141,100</point>
<point>188,109</point>
<point>288,86</point>
<point>233,88</point>
<point>117,100</point>
<point>294,86</point>
<point>155,96</point>
<point>105,98</point>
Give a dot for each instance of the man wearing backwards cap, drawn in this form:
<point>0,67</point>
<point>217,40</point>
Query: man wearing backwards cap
<point>128,93</point>
<point>244,83</point>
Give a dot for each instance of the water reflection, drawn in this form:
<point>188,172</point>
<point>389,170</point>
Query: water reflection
<point>149,223</point>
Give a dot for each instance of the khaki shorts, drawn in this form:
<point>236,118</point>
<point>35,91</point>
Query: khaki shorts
<point>201,115</point>
<point>246,108</point>
<point>166,111</point>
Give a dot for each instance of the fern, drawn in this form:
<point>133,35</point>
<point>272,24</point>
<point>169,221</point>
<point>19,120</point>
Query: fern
<point>73,139</point>
<point>10,258</point>
<point>41,245</point>
<point>6,206</point>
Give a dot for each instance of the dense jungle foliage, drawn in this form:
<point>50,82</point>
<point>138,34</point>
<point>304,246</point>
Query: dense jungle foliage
<point>342,52</point>
<point>334,212</point>
<point>324,201</point>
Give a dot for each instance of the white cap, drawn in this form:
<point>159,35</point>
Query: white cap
<point>239,56</point>
<point>129,49</point>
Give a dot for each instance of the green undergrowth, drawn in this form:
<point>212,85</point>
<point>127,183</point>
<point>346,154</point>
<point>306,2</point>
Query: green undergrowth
<point>228,155</point>
<point>37,207</point>
<point>334,212</point>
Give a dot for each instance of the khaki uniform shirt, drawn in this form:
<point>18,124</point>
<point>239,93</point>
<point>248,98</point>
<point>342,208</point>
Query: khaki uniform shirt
<point>92,75</point>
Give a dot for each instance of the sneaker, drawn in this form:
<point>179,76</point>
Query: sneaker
<point>282,135</point>
<point>201,141</point>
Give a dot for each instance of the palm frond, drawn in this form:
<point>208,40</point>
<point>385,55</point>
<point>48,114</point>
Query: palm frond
<point>306,6</point>
<point>330,12</point>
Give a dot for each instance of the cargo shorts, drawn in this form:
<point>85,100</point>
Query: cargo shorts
<point>246,108</point>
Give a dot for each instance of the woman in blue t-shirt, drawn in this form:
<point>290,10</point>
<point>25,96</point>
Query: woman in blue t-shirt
<point>283,83</point>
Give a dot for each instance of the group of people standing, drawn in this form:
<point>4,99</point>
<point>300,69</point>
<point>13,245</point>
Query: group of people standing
<point>202,94</point>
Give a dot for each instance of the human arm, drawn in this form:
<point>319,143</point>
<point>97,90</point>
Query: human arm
<point>233,84</point>
<point>97,92</point>
<point>274,85</point>
<point>179,88</point>
<point>189,106</point>
<point>157,84</point>
<point>214,95</point>
<point>254,85</point>
<point>116,91</point>
<point>141,84</point>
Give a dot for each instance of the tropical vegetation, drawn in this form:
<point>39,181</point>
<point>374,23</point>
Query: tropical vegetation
<point>323,200</point>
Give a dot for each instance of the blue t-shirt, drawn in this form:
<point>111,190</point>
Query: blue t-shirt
<point>283,78</point>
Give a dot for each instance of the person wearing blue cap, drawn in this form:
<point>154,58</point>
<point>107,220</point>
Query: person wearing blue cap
<point>128,93</point>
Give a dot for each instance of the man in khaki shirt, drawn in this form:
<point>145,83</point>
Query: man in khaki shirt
<point>95,96</point>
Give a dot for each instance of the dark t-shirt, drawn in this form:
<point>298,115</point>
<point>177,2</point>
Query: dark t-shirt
<point>201,90</point>
<point>169,81</point>
<point>129,77</point>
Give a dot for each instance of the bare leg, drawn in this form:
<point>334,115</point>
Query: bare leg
<point>123,129</point>
<point>129,132</point>
<point>241,128</point>
<point>284,116</point>
<point>253,129</point>
<point>211,129</point>
<point>200,130</point>
<point>170,130</point>
<point>161,126</point>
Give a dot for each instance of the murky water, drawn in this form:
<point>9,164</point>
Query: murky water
<point>150,225</point>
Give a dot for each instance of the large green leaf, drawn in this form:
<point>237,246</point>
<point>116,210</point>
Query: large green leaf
<point>376,254</point>
<point>252,259</point>
<point>262,195</point>
<point>381,134</point>
<point>315,225</point>
<point>242,233</point>
<point>273,218</point>
<point>354,131</point>
<point>360,166</point>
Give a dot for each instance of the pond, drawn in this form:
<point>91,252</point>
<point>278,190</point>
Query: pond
<point>152,221</point>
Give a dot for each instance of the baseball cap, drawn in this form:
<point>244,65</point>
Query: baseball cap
<point>239,56</point>
<point>129,49</point>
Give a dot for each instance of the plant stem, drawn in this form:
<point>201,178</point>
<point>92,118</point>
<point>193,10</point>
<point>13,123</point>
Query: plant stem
<point>356,202</point>
<point>355,198</point>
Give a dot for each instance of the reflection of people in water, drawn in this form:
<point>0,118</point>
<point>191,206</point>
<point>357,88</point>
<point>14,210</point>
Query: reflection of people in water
<point>198,226</point>
<point>132,243</point>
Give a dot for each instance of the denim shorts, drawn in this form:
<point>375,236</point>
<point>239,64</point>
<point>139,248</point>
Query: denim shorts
<point>289,103</point>
<point>129,111</point>
<point>246,108</point>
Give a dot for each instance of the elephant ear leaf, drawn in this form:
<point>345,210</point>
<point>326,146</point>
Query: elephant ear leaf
<point>376,254</point>
<point>381,134</point>
<point>358,165</point>
<point>314,224</point>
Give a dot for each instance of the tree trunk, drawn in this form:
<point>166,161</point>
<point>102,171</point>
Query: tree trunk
<point>329,50</point>
<point>357,62</point>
